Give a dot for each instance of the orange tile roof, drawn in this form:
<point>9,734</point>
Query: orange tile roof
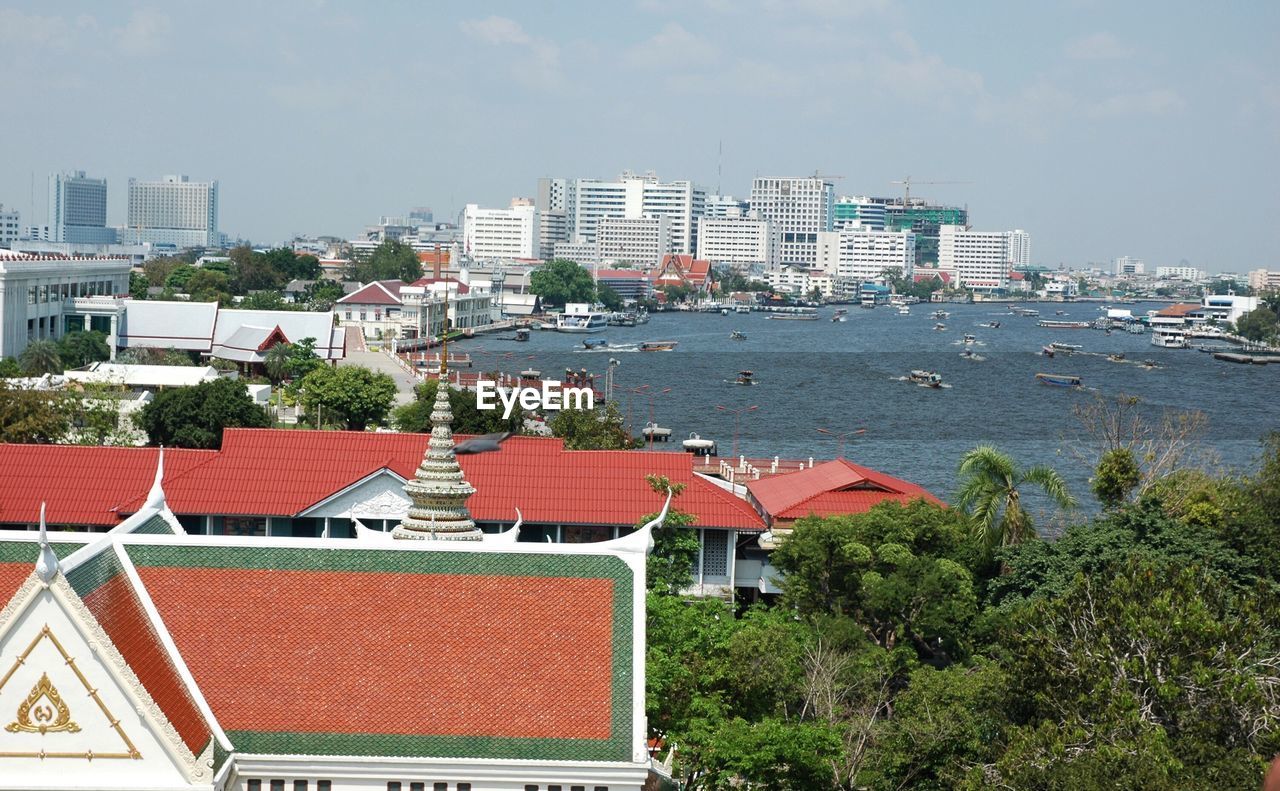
<point>1178,309</point>
<point>830,488</point>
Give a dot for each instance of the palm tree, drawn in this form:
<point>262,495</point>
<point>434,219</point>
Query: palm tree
<point>41,357</point>
<point>276,362</point>
<point>990,494</point>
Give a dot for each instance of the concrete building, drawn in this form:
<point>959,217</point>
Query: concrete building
<point>637,240</point>
<point>1264,279</point>
<point>174,210</point>
<point>798,209</point>
<point>633,196</point>
<point>741,242</point>
<point>983,260</point>
<point>556,203</point>
<point>581,252</point>
<point>799,281</point>
<point>858,210</point>
<point>863,255</point>
<point>629,284</point>
<point>721,206</point>
<point>78,209</point>
<point>10,226</point>
<point>1187,273</point>
<point>44,297</point>
<point>1127,265</point>
<point>501,233</point>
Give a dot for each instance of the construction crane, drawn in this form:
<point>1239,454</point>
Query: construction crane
<point>907,182</point>
<point>817,175</point>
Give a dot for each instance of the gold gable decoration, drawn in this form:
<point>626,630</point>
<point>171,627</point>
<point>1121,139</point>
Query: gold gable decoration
<point>55,709</point>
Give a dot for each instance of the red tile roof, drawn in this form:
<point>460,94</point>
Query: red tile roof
<point>833,487</point>
<point>379,292</point>
<point>82,485</point>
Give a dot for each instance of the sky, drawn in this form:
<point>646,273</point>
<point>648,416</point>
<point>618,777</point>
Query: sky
<point>1101,128</point>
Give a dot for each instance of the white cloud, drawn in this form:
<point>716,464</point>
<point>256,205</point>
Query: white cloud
<point>147,31</point>
<point>673,47</point>
<point>1097,46</point>
<point>536,62</point>
<point>1162,101</point>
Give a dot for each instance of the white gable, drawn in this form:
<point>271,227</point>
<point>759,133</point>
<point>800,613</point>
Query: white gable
<point>71,714</point>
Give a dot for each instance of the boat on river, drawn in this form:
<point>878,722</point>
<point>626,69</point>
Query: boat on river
<point>737,335</point>
<point>579,318</point>
<point>926,378</point>
<point>1059,380</point>
<point>745,378</point>
<point>659,346</point>
<point>594,343</point>
<point>940,314</point>
<point>839,315</point>
<point>1066,347</point>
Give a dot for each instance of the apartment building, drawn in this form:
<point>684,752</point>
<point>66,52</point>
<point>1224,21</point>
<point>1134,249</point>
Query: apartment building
<point>799,209</point>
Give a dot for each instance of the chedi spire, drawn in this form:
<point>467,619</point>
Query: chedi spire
<point>438,491</point>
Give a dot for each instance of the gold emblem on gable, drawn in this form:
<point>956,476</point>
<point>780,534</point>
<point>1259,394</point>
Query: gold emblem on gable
<point>43,711</point>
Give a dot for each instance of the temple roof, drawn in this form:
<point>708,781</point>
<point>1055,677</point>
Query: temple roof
<point>833,487</point>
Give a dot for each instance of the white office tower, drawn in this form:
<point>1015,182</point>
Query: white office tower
<point>742,242</point>
<point>633,196</point>
<point>1127,265</point>
<point>636,240</point>
<point>78,209</point>
<point>10,223</point>
<point>489,234</point>
<point>174,210</point>
<point>1188,273</point>
<point>555,202</point>
<point>982,259</point>
<point>799,209</point>
<point>719,206</point>
<point>858,210</point>
<point>862,255</point>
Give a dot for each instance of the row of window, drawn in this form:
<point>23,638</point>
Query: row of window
<point>57,291</point>
<point>298,785</point>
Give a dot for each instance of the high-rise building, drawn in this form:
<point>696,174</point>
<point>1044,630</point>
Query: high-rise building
<point>719,206</point>
<point>556,205</point>
<point>742,242</point>
<point>174,210</point>
<point>1127,265</point>
<point>799,209</point>
<point>78,209</point>
<point>1188,273</point>
<point>637,240</point>
<point>982,259</point>
<point>862,255</point>
<point>851,210</point>
<point>501,233</point>
<point>10,223</point>
<point>922,218</point>
<point>633,196</point>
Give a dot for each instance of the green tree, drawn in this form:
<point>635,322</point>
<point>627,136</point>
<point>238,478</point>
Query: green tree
<point>675,547</point>
<point>41,357</point>
<point>194,417</point>
<point>144,356</point>
<point>991,492</point>
<point>207,285</point>
<point>266,300</point>
<point>348,395</point>
<point>9,368</point>
<point>589,429</point>
<point>560,282</point>
<point>467,417</point>
<point>676,293</point>
<point>32,416</point>
<point>276,363</point>
<point>138,285</point>
<point>157,270</point>
<point>303,358</point>
<point>178,278</point>
<point>1116,476</point>
<point>391,260</point>
<point>254,273</point>
<point>608,297</point>
<point>79,348</point>
<point>322,294</point>
<point>1260,325</point>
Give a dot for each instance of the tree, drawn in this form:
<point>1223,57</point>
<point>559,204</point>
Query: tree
<point>1160,445</point>
<point>588,429</point>
<point>675,548</point>
<point>178,278</point>
<point>157,270</point>
<point>145,356</point>
<point>608,297</point>
<point>266,300</point>
<point>32,416</point>
<point>138,285</point>
<point>207,285</point>
<point>322,294</point>
<point>79,348</point>
<point>41,357</point>
<point>347,395</point>
<point>276,363</point>
<point>254,274</point>
<point>1260,325</point>
<point>1116,476</point>
<point>9,368</point>
<point>990,492</point>
<point>560,282</point>
<point>194,417</point>
<point>391,260</point>
<point>303,358</point>
<point>467,418</point>
<point>676,293</point>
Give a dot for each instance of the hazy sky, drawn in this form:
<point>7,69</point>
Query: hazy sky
<point>1102,128</point>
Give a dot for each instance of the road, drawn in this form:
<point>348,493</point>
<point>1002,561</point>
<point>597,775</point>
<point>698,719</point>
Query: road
<point>358,353</point>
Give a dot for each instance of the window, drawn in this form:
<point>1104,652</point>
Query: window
<point>324,785</point>
<point>277,785</point>
<point>417,787</point>
<point>393,787</point>
<point>464,787</point>
<point>299,785</point>
<point>440,787</point>
<point>530,787</point>
<point>602,788</point>
<point>255,785</point>
<point>577,788</point>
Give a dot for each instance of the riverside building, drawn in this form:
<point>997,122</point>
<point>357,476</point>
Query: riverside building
<point>798,209</point>
<point>982,260</point>
<point>501,233</point>
<point>744,242</point>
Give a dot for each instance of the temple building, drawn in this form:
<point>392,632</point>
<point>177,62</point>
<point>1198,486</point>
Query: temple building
<point>150,658</point>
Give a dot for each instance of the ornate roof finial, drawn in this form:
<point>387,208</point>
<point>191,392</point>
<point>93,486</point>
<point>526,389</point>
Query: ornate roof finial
<point>155,497</point>
<point>438,491</point>
<point>47,566</point>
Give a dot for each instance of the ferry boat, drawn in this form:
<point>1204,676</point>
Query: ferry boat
<point>742,309</point>
<point>1169,337</point>
<point>737,336</point>
<point>580,318</point>
<point>1063,325</point>
<point>926,378</point>
<point>793,316</point>
<point>659,346</point>
<point>1066,347</point>
<point>1059,380</point>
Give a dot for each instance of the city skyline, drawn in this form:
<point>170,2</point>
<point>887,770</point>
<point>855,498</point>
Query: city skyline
<point>1103,135</point>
